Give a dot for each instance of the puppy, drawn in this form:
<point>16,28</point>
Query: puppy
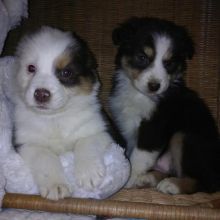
<point>172,139</point>
<point>57,110</point>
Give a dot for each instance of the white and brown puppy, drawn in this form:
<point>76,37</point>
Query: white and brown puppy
<point>57,110</point>
<point>173,141</point>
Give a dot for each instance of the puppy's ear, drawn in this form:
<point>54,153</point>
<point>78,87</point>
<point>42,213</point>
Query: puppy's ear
<point>190,49</point>
<point>125,32</point>
<point>91,61</point>
<point>85,55</point>
<point>186,43</point>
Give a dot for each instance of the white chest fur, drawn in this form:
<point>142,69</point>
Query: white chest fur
<point>59,131</point>
<point>129,107</point>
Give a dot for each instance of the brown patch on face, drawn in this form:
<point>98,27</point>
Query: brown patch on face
<point>149,52</point>
<point>76,71</point>
<point>168,55</point>
<point>85,86</point>
<point>132,72</point>
<point>63,60</point>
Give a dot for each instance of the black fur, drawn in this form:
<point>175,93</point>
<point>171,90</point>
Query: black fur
<point>113,129</point>
<point>83,64</point>
<point>181,110</point>
<point>178,109</point>
<point>138,31</point>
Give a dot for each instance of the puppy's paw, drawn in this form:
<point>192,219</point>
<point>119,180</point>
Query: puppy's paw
<point>142,179</point>
<point>169,186</point>
<point>55,191</point>
<point>149,179</point>
<point>90,175</point>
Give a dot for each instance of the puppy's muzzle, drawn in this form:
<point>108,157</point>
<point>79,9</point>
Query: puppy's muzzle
<point>42,95</point>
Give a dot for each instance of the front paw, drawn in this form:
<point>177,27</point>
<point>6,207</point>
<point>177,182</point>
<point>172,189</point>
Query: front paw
<point>169,186</point>
<point>136,180</point>
<point>141,180</point>
<point>90,175</point>
<point>54,191</point>
<point>52,186</point>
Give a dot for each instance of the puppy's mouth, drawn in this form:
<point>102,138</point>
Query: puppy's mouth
<point>154,96</point>
<point>42,107</point>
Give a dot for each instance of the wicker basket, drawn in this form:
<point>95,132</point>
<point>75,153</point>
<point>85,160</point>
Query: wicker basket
<point>132,203</point>
<point>94,21</point>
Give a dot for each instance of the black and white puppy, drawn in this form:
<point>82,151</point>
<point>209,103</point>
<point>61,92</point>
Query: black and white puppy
<point>57,110</point>
<point>172,139</point>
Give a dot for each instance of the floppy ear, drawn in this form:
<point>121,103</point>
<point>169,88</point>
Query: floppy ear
<point>125,32</point>
<point>84,54</point>
<point>186,43</point>
<point>190,50</point>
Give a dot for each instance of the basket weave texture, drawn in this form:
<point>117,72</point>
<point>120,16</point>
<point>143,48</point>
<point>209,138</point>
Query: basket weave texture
<point>131,203</point>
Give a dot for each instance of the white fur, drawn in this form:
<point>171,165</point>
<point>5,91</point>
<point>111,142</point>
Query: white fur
<point>124,108</point>
<point>142,161</point>
<point>42,51</point>
<point>156,72</point>
<point>128,117</point>
<point>70,121</point>
<point>167,186</point>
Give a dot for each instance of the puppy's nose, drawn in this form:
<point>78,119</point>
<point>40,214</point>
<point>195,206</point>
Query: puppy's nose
<point>153,86</point>
<point>42,95</point>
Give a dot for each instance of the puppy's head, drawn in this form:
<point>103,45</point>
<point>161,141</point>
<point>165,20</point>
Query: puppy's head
<point>53,68</point>
<point>153,53</point>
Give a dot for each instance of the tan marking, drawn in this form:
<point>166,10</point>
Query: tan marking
<point>185,185</point>
<point>85,86</point>
<point>176,144</point>
<point>149,52</point>
<point>168,55</point>
<point>157,176</point>
<point>63,60</point>
<point>132,73</point>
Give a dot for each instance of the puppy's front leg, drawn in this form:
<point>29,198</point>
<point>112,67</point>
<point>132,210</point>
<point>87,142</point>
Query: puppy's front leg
<point>47,171</point>
<point>89,161</point>
<point>141,162</point>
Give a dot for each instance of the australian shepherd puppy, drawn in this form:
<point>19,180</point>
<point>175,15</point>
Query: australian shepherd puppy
<point>57,110</point>
<point>172,138</point>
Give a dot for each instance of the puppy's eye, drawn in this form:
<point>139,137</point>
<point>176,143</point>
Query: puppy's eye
<point>66,73</point>
<point>31,68</point>
<point>169,64</point>
<point>142,59</point>
<point>67,76</point>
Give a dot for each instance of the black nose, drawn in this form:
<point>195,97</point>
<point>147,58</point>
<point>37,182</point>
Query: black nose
<point>153,86</point>
<point>42,95</point>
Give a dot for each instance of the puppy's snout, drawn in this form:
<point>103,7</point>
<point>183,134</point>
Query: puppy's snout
<point>42,95</point>
<point>153,86</point>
